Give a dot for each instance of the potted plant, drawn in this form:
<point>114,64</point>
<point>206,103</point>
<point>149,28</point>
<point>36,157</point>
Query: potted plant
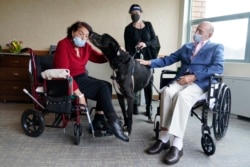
<point>14,46</point>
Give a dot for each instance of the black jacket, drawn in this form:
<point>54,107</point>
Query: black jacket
<point>147,35</point>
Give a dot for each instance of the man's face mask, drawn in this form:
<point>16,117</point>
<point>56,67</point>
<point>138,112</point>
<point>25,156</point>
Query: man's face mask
<point>197,38</point>
<point>79,42</point>
<point>135,17</point>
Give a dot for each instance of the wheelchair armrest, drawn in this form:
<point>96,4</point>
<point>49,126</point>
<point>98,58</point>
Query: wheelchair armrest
<point>214,82</point>
<point>55,73</point>
<point>166,77</point>
<point>168,72</point>
<point>217,77</point>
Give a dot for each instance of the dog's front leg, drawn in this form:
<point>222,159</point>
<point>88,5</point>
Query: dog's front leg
<point>121,101</point>
<point>130,101</point>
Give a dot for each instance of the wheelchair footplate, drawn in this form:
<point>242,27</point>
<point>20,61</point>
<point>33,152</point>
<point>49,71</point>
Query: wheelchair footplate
<point>102,133</point>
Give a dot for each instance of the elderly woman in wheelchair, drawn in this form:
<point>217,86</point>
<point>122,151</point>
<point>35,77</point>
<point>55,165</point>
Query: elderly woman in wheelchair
<point>199,61</point>
<point>72,53</point>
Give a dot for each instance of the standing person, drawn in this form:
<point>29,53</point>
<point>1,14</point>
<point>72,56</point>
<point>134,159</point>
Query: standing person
<point>199,60</point>
<point>73,53</point>
<point>140,40</point>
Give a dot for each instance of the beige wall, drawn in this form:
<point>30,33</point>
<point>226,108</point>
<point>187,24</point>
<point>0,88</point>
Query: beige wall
<point>40,23</point>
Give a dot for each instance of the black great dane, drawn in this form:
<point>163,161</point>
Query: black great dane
<point>129,75</point>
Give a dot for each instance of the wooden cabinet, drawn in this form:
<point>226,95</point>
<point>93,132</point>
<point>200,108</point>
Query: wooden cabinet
<point>14,76</point>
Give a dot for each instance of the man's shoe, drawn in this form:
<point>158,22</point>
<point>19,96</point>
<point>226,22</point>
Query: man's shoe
<point>114,127</point>
<point>173,156</point>
<point>158,147</point>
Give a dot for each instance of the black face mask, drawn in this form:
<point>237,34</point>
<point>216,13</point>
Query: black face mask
<point>135,17</point>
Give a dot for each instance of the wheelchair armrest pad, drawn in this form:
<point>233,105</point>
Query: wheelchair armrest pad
<point>55,73</point>
<point>216,75</point>
<point>168,72</point>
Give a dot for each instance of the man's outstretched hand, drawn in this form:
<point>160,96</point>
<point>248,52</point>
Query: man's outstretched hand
<point>144,62</point>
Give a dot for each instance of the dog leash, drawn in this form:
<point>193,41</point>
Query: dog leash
<point>141,55</point>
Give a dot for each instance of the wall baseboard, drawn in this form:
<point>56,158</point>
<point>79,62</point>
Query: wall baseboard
<point>155,97</point>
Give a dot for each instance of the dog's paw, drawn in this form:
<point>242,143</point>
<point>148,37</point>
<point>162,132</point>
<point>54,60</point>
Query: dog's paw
<point>125,128</point>
<point>126,133</point>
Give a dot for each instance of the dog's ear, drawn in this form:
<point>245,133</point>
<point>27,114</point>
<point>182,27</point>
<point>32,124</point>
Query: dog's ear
<point>114,46</point>
<point>123,52</point>
<point>91,33</point>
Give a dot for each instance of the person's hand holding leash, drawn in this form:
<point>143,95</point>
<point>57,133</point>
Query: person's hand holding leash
<point>141,45</point>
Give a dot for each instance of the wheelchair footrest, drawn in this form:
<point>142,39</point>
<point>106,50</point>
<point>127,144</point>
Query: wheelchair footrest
<point>102,133</point>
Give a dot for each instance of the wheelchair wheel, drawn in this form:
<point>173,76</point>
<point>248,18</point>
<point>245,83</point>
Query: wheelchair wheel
<point>222,113</point>
<point>77,133</point>
<point>32,123</point>
<point>157,130</point>
<point>207,144</point>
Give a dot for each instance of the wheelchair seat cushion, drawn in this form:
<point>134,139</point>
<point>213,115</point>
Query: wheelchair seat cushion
<point>211,102</point>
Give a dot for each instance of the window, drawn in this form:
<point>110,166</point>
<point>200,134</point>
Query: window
<point>231,20</point>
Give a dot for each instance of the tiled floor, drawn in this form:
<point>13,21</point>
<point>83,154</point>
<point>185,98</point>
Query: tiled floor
<point>54,148</point>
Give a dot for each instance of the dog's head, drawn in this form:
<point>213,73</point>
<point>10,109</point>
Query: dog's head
<point>107,44</point>
<point>110,48</point>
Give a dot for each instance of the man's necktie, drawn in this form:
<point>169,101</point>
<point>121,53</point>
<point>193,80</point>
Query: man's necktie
<point>197,47</point>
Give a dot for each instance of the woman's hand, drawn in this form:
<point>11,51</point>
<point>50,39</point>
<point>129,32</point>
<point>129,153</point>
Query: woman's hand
<point>141,45</point>
<point>82,101</point>
<point>81,97</point>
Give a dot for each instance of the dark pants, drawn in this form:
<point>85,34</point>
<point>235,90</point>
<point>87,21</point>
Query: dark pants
<point>97,90</point>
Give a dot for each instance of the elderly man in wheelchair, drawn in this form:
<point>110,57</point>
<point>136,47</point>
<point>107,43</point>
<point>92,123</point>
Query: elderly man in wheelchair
<point>199,61</point>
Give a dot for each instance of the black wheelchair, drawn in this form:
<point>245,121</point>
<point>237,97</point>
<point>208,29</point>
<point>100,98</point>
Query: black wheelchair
<point>217,100</point>
<point>51,92</point>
